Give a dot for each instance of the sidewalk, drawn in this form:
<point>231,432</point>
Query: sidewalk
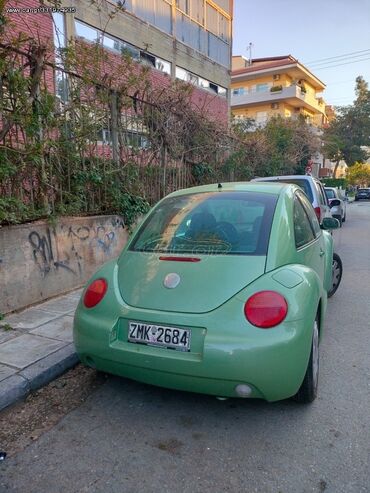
<point>36,345</point>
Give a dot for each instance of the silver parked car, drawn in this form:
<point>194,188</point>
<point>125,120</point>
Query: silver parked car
<point>337,202</point>
<point>313,188</point>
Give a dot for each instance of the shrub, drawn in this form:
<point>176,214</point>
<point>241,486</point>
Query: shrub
<point>276,88</point>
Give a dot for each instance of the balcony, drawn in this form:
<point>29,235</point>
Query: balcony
<point>292,95</point>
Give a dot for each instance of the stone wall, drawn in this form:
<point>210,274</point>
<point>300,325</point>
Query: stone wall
<point>39,260</point>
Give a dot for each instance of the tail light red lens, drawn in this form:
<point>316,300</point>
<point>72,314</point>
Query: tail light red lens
<point>95,292</point>
<point>318,213</point>
<point>266,309</point>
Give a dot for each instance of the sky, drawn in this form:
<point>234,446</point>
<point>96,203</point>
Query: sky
<point>330,37</point>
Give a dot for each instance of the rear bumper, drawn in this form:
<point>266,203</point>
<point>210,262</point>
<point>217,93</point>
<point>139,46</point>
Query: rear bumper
<point>273,364</point>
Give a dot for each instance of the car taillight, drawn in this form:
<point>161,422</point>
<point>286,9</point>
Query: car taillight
<point>95,292</point>
<point>266,309</point>
<point>318,213</point>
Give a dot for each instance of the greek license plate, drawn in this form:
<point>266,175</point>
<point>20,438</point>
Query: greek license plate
<point>159,335</point>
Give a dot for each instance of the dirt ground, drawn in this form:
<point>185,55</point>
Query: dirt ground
<point>26,421</point>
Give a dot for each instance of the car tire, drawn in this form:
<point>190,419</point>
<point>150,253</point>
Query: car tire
<point>308,390</point>
<point>337,269</point>
<point>339,218</point>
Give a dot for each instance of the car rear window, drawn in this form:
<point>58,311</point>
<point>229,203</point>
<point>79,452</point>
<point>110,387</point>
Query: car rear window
<point>301,183</point>
<point>237,223</point>
<point>330,193</point>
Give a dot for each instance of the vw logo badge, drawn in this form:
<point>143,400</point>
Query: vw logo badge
<point>171,280</point>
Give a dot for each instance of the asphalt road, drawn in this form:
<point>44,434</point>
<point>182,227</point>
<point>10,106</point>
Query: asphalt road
<point>133,438</point>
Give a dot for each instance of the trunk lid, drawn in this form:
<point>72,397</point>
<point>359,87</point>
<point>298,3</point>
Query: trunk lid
<point>203,286</point>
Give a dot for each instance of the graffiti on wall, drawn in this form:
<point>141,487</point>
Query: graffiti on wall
<point>44,255</point>
<point>66,248</point>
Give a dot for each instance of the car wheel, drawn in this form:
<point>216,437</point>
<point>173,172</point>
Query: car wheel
<point>337,271</point>
<point>308,390</point>
<point>339,218</point>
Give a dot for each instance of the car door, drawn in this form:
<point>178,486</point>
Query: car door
<point>309,239</point>
<point>323,200</point>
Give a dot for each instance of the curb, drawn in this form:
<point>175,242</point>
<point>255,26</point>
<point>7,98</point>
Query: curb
<point>18,386</point>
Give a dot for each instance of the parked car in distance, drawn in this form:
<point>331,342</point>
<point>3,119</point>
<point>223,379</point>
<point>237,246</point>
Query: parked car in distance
<point>312,187</point>
<point>337,203</point>
<point>362,193</point>
<point>221,290</point>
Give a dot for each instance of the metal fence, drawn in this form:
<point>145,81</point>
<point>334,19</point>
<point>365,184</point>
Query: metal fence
<point>74,152</point>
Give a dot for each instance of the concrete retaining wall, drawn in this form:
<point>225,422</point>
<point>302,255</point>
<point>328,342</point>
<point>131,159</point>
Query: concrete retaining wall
<point>38,261</point>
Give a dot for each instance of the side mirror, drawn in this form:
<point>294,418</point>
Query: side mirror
<point>334,203</point>
<point>329,223</point>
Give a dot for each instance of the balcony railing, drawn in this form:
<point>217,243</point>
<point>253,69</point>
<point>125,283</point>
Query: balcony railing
<point>290,92</point>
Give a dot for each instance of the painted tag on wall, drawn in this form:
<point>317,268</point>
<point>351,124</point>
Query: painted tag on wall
<point>39,260</point>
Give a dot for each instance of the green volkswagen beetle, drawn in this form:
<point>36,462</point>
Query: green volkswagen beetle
<point>221,290</point>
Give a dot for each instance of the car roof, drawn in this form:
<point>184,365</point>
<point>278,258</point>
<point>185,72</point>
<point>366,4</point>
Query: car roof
<point>262,187</point>
<point>286,177</point>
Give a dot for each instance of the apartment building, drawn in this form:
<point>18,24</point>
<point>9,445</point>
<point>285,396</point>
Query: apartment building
<point>184,39</point>
<point>264,87</point>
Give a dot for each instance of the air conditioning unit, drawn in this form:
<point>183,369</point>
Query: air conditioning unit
<point>274,106</point>
<point>276,77</point>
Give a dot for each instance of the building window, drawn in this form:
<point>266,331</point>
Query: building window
<point>135,140</point>
<point>59,31</point>
<point>86,32</point>
<point>203,83</point>
<point>187,76</point>
<point>222,91</point>
<point>200,82</point>
<point>163,66</point>
<point>183,5</point>
<point>181,74</point>
<point>224,28</point>
<point>193,79</point>
<point>197,10</point>
<point>156,62</point>
<point>212,19</point>
<point>147,59</point>
<point>108,42</point>
<point>61,80</point>
<point>104,136</point>
<point>239,91</point>
<point>163,16</point>
<point>262,87</point>
<point>213,87</point>
<point>218,50</point>
<point>261,117</point>
<point>127,50</point>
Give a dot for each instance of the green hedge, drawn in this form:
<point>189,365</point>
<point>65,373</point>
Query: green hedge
<point>335,182</point>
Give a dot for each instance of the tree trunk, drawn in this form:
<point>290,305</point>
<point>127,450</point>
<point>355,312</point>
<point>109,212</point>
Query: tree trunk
<point>113,102</point>
<point>336,168</point>
<point>36,70</point>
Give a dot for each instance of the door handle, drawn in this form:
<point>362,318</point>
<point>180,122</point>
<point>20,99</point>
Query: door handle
<point>322,252</point>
